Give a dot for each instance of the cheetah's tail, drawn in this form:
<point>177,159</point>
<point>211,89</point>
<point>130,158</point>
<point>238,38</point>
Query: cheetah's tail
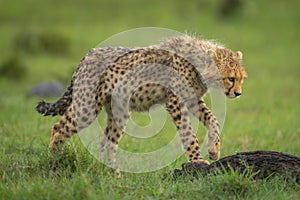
<point>57,108</point>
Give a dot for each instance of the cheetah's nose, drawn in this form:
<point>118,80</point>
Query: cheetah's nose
<point>237,94</point>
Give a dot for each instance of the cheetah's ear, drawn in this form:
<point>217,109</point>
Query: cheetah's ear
<point>239,55</point>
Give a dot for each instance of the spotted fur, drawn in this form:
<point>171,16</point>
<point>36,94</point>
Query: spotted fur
<point>112,76</point>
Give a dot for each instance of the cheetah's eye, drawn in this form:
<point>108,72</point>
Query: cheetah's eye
<point>231,79</point>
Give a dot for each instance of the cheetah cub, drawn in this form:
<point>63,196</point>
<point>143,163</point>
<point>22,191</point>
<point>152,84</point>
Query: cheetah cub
<point>177,72</point>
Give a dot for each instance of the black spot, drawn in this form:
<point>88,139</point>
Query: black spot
<point>62,122</point>
<point>177,117</point>
<point>74,123</point>
<point>55,127</point>
<point>74,131</point>
<point>85,110</point>
<point>84,119</point>
<point>181,105</point>
<point>185,113</point>
<point>188,133</point>
<point>192,105</point>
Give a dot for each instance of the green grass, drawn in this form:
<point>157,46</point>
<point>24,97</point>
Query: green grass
<point>266,117</point>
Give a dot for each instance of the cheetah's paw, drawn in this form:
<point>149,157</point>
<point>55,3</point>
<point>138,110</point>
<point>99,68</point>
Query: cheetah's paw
<point>214,151</point>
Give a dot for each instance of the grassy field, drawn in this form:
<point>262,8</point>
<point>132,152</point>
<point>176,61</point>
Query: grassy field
<point>266,117</point>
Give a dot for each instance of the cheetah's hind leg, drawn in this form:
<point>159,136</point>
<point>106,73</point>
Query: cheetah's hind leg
<point>112,135</point>
<point>78,115</point>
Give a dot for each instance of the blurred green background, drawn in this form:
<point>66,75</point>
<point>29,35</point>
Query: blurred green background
<point>45,40</point>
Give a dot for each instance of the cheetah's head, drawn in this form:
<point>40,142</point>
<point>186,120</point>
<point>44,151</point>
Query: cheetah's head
<point>231,70</point>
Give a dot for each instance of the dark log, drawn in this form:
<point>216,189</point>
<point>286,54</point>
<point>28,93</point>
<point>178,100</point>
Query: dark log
<point>262,164</point>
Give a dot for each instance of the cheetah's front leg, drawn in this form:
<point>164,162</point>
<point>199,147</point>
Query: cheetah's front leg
<point>180,116</point>
<point>203,113</point>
